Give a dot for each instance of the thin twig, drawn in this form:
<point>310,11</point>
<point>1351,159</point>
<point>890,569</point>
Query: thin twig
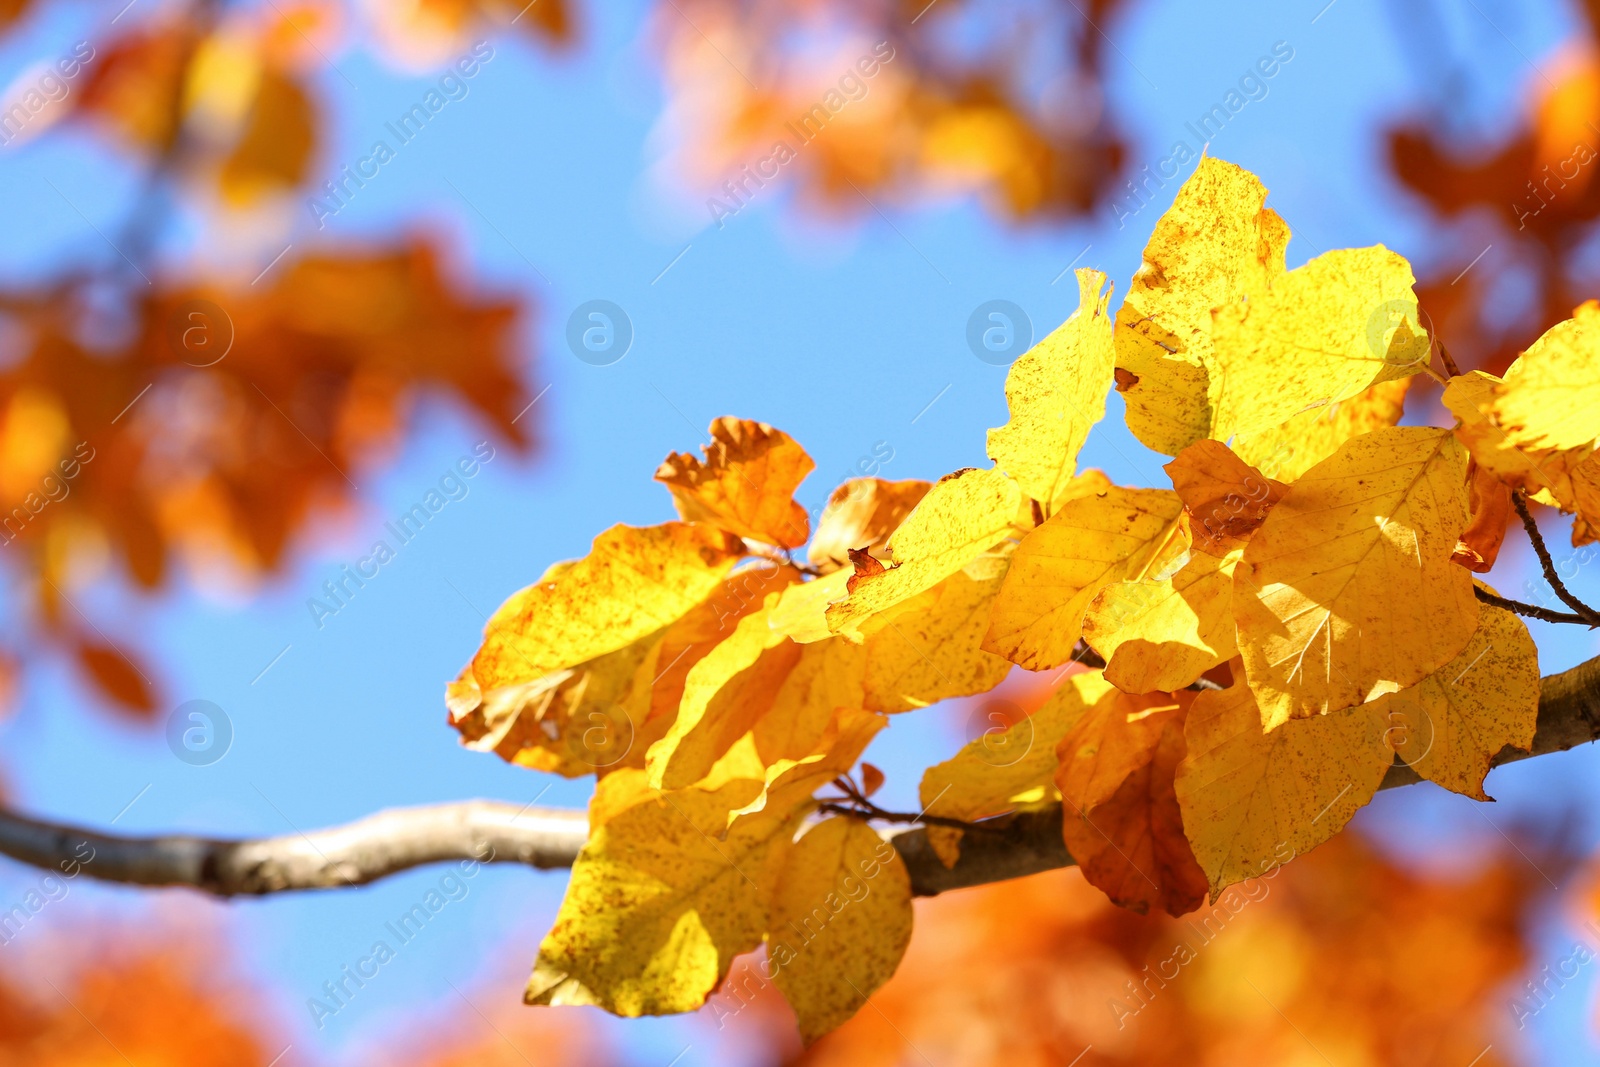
<point>1532,611</point>
<point>780,557</point>
<point>1549,564</point>
<point>855,804</point>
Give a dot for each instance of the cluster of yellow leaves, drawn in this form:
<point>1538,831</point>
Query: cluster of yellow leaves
<point>1272,645</point>
<point>714,692</point>
<point>239,94</point>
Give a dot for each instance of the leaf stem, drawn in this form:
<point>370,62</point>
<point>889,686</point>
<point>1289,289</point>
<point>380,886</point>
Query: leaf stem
<point>1449,363</point>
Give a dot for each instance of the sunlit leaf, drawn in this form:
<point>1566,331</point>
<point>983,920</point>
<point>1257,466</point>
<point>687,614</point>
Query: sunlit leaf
<point>1347,591</point>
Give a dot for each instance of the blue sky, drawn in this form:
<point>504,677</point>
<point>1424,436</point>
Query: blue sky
<point>850,338</point>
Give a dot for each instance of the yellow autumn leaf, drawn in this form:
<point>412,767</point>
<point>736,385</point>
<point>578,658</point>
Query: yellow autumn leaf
<point>740,763</point>
<point>724,695</point>
<point>1217,242</point>
<point>634,581</point>
<point>1059,567</point>
<point>801,614</point>
<point>1287,451</point>
<point>861,514</point>
<point>1253,800</point>
<point>661,900</point>
<point>992,771</point>
<point>576,721</point>
<point>1162,634</point>
<point>1316,335</point>
<point>1550,398</point>
<point>828,676</point>
<point>788,783</point>
<point>1056,392</point>
<point>1468,396</point>
<point>692,637</point>
<point>620,791</point>
<point>1347,591</point>
<point>1549,475</point>
<point>1586,501</point>
<point>930,647</point>
<point>745,484</point>
<point>276,144</point>
<point>1450,725</point>
<point>963,516</point>
<point>841,921</point>
<point>603,715</point>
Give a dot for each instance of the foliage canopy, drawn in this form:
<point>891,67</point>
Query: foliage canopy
<point>1239,657</point>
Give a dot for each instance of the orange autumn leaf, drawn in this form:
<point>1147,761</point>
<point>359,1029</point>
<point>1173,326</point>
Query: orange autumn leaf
<point>745,484</point>
<point>1225,497</point>
<point>1120,813</point>
<point>275,147</point>
<point>1489,511</point>
<point>118,678</point>
<point>134,85</point>
<point>866,566</point>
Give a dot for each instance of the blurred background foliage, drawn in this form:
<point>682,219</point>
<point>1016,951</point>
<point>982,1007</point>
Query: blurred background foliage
<point>176,396</point>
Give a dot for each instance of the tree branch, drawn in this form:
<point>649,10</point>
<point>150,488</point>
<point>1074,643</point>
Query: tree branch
<point>498,832</point>
<point>355,854</point>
